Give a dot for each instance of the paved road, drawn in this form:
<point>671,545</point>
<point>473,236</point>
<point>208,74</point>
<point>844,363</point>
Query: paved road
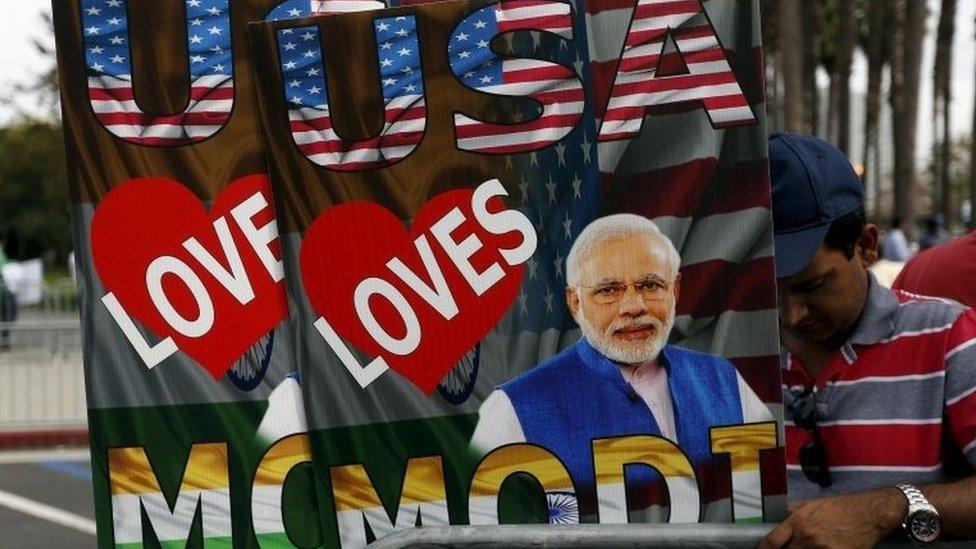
<point>46,499</point>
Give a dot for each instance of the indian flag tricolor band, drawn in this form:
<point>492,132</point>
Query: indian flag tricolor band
<point>366,501</point>
<point>204,489</point>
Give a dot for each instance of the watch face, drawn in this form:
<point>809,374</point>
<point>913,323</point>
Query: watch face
<point>925,526</point>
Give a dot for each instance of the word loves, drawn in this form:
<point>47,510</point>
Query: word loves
<point>417,301</point>
<point>208,284</point>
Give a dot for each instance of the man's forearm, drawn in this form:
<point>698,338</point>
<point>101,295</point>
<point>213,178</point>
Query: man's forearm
<point>860,519</point>
<point>956,504</point>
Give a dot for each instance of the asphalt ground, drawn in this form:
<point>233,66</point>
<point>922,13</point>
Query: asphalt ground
<point>46,499</point>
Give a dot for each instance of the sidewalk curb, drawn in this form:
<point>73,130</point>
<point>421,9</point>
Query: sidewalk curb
<point>47,438</point>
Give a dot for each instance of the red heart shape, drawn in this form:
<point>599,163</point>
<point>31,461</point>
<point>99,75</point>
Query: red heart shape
<point>144,219</point>
<point>351,242</point>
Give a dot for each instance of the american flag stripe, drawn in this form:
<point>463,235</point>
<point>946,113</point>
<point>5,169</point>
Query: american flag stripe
<point>699,246</point>
<point>636,84</point>
<point>500,142</point>
<point>697,188</point>
<point>732,334</point>
<point>533,15</point>
<point>108,62</point>
<point>306,90</point>
<point>554,86</point>
<point>110,109</point>
<point>323,146</point>
<point>711,287</point>
<point>405,119</point>
<point>617,159</point>
<point>610,19</point>
<point>119,87</point>
<point>399,110</point>
<point>755,370</point>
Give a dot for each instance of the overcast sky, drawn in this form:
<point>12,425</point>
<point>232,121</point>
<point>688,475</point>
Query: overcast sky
<point>20,22</point>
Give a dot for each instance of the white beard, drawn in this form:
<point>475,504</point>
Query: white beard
<point>627,352</point>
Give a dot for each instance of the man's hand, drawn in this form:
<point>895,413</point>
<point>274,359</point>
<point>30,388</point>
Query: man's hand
<point>855,520</point>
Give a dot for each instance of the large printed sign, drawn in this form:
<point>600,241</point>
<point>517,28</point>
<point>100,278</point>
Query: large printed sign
<point>180,268</point>
<point>526,247</point>
<point>443,212</point>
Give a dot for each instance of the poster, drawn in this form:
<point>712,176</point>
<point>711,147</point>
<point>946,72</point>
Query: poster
<point>450,183</point>
<point>179,271</point>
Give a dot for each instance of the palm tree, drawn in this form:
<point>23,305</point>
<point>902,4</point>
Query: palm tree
<point>972,173</point>
<point>875,47</point>
<point>906,60</point>
<point>770,46</point>
<point>791,62</point>
<point>839,122</point>
<point>942,144</point>
<point>812,29</point>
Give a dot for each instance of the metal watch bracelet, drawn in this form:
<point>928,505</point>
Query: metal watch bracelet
<point>922,523</point>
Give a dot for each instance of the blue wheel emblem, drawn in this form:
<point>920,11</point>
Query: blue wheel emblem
<point>249,370</point>
<point>457,385</point>
<point>563,508</point>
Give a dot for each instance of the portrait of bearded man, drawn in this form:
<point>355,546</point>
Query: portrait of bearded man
<point>622,377</point>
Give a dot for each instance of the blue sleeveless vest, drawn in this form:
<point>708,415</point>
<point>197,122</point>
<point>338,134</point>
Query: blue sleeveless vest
<point>579,395</point>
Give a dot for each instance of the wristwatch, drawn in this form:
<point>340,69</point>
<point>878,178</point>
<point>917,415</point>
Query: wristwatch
<point>922,523</point>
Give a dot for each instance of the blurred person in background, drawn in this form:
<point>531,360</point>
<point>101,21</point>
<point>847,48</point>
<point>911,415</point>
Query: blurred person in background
<point>894,247</point>
<point>894,252</point>
<point>935,233</point>
<point>948,270</point>
<point>879,386</point>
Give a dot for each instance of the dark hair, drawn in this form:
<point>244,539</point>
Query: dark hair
<point>845,231</point>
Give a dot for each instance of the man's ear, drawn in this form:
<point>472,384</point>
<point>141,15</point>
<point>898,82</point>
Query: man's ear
<point>572,301</point>
<point>867,244</point>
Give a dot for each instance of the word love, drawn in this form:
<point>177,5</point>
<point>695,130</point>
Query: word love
<point>209,284</point>
<point>416,301</point>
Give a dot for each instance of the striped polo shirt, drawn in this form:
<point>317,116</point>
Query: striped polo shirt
<point>897,403</point>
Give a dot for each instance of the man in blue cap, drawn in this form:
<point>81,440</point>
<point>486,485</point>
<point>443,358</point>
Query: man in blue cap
<point>879,387</point>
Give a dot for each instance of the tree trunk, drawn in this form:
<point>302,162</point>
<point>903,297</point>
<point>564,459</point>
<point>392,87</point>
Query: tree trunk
<point>791,63</point>
<point>774,111</point>
<point>906,58</point>
<point>841,81</point>
<point>812,27</point>
<point>942,92</point>
<point>972,173</point>
<point>875,54</point>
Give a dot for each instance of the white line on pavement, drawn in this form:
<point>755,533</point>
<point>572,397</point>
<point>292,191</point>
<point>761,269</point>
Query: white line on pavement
<point>33,456</point>
<point>46,512</point>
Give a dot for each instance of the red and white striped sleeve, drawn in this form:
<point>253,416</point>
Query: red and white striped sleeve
<point>960,382</point>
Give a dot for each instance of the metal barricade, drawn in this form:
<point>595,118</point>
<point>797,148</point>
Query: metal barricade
<point>42,379</point>
<point>578,535</point>
<point>617,536</point>
<point>59,297</point>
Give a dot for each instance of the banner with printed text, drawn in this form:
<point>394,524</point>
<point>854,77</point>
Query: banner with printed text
<point>528,251</point>
<point>183,304</point>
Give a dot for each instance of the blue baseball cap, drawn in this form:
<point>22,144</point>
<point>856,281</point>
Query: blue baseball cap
<point>813,184</point>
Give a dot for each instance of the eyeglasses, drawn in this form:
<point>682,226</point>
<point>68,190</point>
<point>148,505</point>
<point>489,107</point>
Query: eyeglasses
<point>813,454</point>
<point>649,289</point>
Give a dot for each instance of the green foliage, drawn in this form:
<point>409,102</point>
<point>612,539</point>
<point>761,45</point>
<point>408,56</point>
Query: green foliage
<point>34,200</point>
